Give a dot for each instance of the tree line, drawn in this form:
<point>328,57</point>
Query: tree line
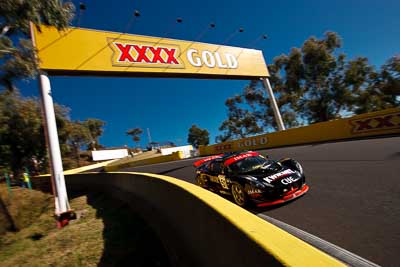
<point>312,84</point>
<point>22,138</point>
<point>22,141</point>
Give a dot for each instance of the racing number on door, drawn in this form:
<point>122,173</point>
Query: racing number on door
<point>222,181</point>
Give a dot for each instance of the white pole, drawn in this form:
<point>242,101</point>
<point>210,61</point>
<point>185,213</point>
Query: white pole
<point>57,175</point>
<point>278,117</point>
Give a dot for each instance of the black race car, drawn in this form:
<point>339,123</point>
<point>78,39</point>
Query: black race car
<point>249,176</point>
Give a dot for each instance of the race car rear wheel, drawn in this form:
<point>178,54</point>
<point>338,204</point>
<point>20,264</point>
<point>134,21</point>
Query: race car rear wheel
<point>238,194</point>
<point>200,181</point>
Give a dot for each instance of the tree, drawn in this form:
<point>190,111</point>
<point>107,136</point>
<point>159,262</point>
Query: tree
<point>135,133</point>
<point>250,113</point>
<point>313,79</point>
<point>21,132</point>
<point>198,136</point>
<point>95,127</point>
<point>313,83</point>
<point>240,122</point>
<point>382,90</point>
<point>320,84</point>
<point>78,136</point>
<point>18,60</point>
<point>22,141</point>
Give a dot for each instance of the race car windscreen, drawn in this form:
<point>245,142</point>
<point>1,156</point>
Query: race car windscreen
<point>249,164</point>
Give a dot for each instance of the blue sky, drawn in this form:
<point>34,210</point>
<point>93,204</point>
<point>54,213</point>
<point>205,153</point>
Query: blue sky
<point>168,107</point>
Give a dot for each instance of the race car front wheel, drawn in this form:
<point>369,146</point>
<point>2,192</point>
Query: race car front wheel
<point>239,195</point>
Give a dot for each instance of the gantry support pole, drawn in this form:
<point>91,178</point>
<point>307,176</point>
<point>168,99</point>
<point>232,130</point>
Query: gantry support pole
<point>274,105</point>
<point>63,210</point>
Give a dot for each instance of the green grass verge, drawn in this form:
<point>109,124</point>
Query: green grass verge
<point>106,233</point>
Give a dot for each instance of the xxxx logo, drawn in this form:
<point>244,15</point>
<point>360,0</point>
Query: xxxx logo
<point>378,123</point>
<point>141,54</point>
<point>220,148</point>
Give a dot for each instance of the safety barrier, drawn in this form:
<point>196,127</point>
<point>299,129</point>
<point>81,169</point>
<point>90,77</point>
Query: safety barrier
<point>197,227</point>
<point>89,167</point>
<point>385,122</point>
<point>131,162</point>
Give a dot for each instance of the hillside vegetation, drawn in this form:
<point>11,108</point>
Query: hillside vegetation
<point>106,233</point>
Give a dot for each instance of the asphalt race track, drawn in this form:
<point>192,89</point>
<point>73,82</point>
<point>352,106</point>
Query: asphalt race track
<point>354,197</point>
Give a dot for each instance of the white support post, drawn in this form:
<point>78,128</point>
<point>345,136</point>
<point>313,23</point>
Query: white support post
<point>57,175</point>
<point>278,117</point>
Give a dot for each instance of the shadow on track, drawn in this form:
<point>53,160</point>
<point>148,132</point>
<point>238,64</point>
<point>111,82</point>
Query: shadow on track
<point>128,239</point>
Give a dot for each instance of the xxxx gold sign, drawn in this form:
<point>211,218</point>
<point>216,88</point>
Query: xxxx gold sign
<point>149,55</point>
<point>243,144</point>
<point>79,51</point>
<point>376,123</point>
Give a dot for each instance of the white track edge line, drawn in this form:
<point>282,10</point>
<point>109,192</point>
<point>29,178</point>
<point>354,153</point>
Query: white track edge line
<point>329,248</point>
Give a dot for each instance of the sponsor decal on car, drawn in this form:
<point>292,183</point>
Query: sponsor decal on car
<point>222,181</point>
<point>202,161</point>
<point>289,180</point>
<point>278,175</point>
<point>377,123</point>
<point>252,191</point>
<point>240,157</point>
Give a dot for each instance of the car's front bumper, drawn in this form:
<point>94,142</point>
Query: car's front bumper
<point>287,197</point>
